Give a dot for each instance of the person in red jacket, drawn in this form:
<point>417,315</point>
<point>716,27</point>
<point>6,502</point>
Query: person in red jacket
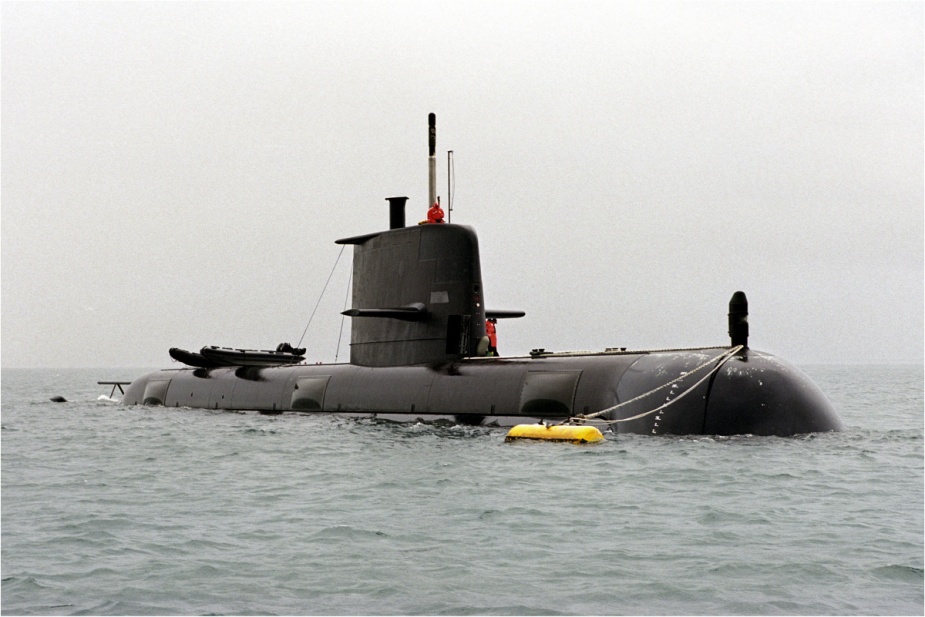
<point>435,214</point>
<point>492,336</point>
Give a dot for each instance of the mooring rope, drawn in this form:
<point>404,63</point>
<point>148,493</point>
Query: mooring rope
<point>336,261</point>
<point>720,359</point>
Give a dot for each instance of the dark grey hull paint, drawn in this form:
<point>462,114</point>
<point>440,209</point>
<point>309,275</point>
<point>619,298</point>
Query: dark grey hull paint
<point>418,348</point>
<point>752,392</point>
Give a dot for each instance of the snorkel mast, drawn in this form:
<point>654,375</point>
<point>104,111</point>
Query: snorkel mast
<point>432,159</point>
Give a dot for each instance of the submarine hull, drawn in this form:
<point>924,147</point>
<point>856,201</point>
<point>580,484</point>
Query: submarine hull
<point>419,344</point>
<point>659,393</point>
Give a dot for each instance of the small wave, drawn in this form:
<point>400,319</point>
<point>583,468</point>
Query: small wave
<point>507,609</point>
<point>896,572</point>
<point>121,607</point>
<point>346,532</point>
<point>441,428</point>
<point>21,583</point>
<point>260,431</point>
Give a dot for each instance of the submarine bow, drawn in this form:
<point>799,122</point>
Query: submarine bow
<point>749,392</point>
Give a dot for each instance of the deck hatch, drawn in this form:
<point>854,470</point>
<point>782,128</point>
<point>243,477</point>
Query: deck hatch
<point>155,392</point>
<point>548,393</point>
<point>308,393</point>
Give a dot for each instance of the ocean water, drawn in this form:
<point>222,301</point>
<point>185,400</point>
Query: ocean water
<point>114,510</point>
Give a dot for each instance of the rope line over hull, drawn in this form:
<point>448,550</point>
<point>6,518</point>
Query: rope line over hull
<point>721,359</point>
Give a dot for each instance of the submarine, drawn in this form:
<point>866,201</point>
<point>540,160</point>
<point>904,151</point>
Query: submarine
<point>420,351</point>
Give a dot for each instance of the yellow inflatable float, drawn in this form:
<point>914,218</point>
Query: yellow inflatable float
<point>574,434</point>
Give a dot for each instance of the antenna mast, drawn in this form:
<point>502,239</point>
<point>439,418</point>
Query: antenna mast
<point>432,159</point>
<point>449,185</point>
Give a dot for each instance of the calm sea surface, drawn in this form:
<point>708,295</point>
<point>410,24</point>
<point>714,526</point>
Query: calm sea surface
<point>115,510</point>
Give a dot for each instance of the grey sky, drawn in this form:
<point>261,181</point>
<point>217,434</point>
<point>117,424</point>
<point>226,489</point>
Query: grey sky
<point>176,174</point>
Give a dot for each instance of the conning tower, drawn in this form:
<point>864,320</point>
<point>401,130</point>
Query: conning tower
<point>417,291</point>
<point>417,295</point>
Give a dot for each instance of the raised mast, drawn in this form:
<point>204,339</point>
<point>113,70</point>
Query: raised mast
<point>432,159</point>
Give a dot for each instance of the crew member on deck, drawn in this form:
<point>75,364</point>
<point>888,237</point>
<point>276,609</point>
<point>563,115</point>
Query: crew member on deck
<point>492,336</point>
<point>435,214</point>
